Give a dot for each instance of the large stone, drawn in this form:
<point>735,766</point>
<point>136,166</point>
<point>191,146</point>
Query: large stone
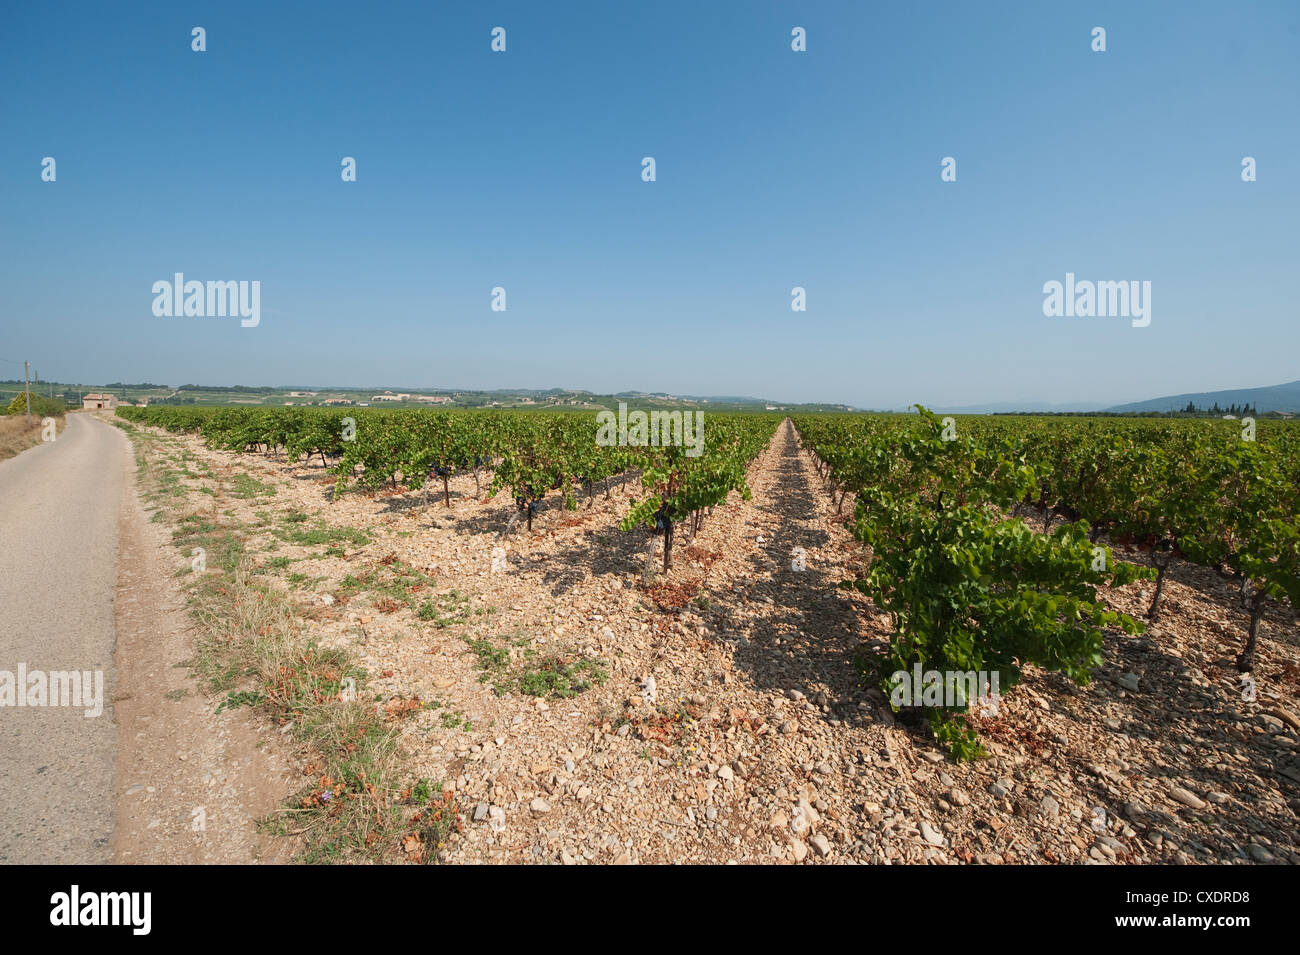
<point>1259,853</point>
<point>1189,799</point>
<point>1049,807</point>
<point>930,834</point>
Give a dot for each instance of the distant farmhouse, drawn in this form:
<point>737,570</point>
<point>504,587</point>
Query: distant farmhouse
<point>98,402</point>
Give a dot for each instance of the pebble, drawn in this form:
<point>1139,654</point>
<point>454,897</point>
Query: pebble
<point>821,845</point>
<point>930,834</point>
<point>1259,853</point>
<point>1187,798</point>
<point>1110,842</point>
<point>539,807</point>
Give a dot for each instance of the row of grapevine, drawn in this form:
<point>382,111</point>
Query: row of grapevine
<point>1217,493</point>
<point>682,486</point>
<point>969,589</point>
<point>530,454</point>
<point>298,432</point>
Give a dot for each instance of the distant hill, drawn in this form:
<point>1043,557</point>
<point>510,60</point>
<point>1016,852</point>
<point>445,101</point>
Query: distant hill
<point>407,397</point>
<point>1273,398</point>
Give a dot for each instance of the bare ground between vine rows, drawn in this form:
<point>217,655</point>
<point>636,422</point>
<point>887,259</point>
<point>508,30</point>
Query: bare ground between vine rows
<point>760,745</point>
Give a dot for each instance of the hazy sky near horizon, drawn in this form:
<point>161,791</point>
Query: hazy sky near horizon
<point>775,169</point>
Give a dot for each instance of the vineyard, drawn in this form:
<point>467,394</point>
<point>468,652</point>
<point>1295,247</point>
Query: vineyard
<point>821,555</point>
<point>989,537</point>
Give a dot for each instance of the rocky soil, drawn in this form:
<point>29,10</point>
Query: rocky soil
<point>724,721</point>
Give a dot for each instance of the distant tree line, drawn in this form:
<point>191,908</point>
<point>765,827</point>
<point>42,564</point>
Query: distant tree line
<point>1233,409</point>
<point>1191,411</point>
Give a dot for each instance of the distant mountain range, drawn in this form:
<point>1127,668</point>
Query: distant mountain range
<point>1273,398</point>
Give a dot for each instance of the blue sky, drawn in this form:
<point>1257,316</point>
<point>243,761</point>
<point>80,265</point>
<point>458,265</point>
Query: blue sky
<point>775,169</point>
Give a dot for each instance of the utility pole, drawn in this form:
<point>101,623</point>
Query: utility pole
<point>27,390</point>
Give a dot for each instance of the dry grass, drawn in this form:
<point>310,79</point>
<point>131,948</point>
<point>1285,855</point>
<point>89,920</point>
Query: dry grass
<point>251,645</point>
<point>16,435</point>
